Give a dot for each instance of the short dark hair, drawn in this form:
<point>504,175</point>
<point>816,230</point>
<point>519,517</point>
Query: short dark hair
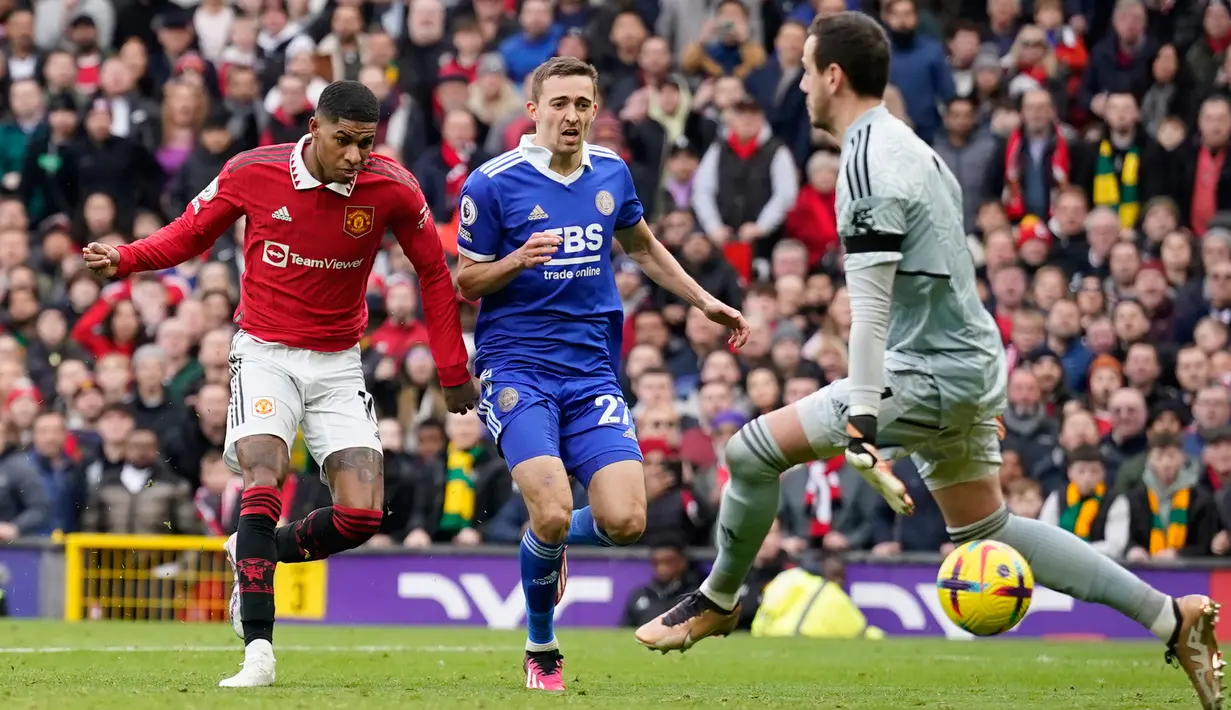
<point>857,44</point>
<point>1085,454</point>
<point>561,66</point>
<point>1164,441</point>
<point>348,101</point>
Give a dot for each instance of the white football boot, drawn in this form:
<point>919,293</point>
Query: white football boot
<point>237,622</point>
<point>258,667</point>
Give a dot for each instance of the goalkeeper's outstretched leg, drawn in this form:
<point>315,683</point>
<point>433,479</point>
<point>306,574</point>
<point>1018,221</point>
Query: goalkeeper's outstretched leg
<point>974,510</point>
<point>756,457</point>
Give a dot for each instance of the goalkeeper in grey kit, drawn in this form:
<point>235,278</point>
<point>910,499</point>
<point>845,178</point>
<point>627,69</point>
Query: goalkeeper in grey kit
<point>927,378</point>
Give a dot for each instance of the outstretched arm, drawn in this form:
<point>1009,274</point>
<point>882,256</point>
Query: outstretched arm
<point>662,268</point>
<point>204,220</point>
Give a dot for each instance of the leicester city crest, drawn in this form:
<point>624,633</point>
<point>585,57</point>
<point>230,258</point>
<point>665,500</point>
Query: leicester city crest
<point>506,399</point>
<point>604,202</point>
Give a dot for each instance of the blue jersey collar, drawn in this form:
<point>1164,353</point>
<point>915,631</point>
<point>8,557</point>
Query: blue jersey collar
<point>540,158</point>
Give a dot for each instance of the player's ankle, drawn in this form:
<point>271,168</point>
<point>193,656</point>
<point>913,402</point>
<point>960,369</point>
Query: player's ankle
<point>552,645</point>
<point>1168,621</point>
<point>722,600</point>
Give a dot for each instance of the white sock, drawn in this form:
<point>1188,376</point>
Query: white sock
<point>724,600</point>
<point>1164,626</point>
<point>552,645</point>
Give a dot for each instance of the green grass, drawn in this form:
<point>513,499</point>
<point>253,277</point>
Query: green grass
<point>147,666</point>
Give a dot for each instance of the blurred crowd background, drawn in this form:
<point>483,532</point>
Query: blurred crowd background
<point>1090,137</point>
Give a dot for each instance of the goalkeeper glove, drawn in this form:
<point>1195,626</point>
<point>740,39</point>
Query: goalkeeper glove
<point>862,454</point>
<point>861,451</point>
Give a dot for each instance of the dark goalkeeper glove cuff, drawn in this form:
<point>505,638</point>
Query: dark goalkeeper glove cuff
<point>861,428</point>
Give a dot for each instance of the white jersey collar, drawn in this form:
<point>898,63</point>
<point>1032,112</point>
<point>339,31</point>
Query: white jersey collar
<point>303,179</point>
<point>540,158</point>
<point>876,112</point>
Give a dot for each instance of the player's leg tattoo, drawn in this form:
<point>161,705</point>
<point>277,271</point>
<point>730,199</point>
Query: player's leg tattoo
<point>356,478</point>
<point>544,485</point>
<point>264,460</point>
<point>756,457</point>
<point>1064,562</point>
<point>616,515</point>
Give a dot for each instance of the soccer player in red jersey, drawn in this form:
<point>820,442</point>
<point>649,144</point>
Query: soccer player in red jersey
<point>316,212</point>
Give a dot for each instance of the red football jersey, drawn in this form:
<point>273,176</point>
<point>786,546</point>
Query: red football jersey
<point>309,249</point>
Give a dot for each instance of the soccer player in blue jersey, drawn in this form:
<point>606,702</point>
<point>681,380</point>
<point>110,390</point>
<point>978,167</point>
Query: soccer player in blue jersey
<point>535,240</point>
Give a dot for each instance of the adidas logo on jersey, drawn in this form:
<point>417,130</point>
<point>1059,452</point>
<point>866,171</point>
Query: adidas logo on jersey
<point>282,214</point>
<point>537,213</point>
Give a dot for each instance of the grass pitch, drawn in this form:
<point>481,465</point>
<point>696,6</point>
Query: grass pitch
<point>148,666</point>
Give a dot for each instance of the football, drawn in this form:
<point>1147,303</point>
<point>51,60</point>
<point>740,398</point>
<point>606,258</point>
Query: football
<point>985,587</point>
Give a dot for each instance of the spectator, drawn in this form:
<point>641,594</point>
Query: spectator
<point>1035,161</point>
<point>217,499</point>
<point>344,45</point>
<point>1084,507</point>
<point>62,476</point>
<point>1003,19</point>
<point>775,86</point>
<point>813,220</point>
<point>725,47</point>
<point>1202,185</point>
<point>443,169</point>
<point>25,507</point>
<point>966,151</point>
<point>21,56</point>
<point>1122,59</point>
<point>1170,516</point>
<point>746,185</point>
<point>534,44</point>
<point>918,68</point>
<point>673,577</point>
<point>476,484</point>
<point>1024,497</point>
<point>289,116</point>
<point>1127,437</point>
<point>144,498</point>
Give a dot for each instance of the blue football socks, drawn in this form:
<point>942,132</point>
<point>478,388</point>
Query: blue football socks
<point>584,531</point>
<point>540,573</point>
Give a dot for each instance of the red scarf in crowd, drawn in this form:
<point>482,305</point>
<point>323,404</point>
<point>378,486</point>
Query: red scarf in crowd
<point>744,149</point>
<point>1218,45</point>
<point>823,494</point>
<point>1014,203</point>
<point>1037,72</point>
<point>457,168</point>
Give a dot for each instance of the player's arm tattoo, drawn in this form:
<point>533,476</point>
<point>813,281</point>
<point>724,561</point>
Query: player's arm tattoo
<point>263,459</point>
<point>367,464</point>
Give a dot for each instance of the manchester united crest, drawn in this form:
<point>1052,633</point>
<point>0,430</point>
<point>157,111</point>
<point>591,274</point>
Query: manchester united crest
<point>358,221</point>
<point>604,202</point>
<point>507,399</point>
<point>263,407</point>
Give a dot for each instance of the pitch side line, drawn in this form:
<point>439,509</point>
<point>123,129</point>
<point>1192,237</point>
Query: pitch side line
<point>233,648</point>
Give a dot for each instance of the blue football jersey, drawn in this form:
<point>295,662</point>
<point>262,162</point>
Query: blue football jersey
<point>557,316</point>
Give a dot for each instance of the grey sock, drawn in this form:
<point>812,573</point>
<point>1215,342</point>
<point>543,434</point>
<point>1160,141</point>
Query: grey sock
<point>1064,562</point>
<point>749,507</point>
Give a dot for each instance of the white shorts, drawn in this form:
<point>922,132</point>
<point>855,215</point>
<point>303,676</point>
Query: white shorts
<point>909,424</point>
<point>276,390</point>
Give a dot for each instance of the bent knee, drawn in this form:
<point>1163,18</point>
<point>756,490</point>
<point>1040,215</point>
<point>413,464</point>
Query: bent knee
<point>263,460</point>
<point>624,527</point>
<point>750,458</point>
<point>550,522</point>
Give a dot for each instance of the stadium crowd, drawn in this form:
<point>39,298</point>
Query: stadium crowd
<point>1090,138</point>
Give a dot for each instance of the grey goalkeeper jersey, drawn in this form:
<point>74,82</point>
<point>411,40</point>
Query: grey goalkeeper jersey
<point>898,202</point>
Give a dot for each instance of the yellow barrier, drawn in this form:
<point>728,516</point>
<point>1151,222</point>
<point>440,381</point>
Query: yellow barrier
<point>171,578</point>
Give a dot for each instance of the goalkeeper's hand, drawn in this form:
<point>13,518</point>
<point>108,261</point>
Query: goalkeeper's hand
<point>861,451</point>
<point>862,454</point>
